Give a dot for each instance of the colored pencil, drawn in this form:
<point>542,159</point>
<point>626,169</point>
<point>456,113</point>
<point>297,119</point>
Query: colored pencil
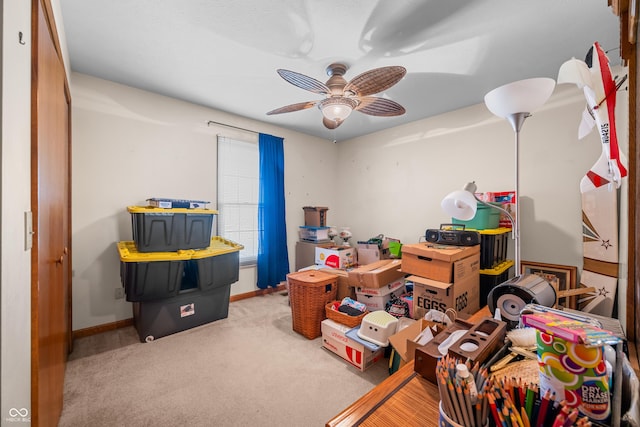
<point>536,412</point>
<point>525,417</point>
<point>494,409</point>
<point>573,416</point>
<point>467,401</point>
<point>454,399</point>
<point>463,406</point>
<point>507,417</point>
<point>445,397</point>
<point>544,402</point>
<point>559,421</point>
<point>529,402</point>
<point>522,392</point>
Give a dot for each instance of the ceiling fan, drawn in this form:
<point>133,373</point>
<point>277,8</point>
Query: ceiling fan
<point>342,97</point>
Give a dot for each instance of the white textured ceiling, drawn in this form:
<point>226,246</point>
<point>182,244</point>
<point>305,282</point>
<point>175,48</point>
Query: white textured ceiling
<point>224,54</point>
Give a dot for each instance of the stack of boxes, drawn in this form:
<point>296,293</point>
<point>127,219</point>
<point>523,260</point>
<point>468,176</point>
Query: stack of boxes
<point>316,250</point>
<point>443,277</point>
<point>314,233</point>
<point>176,275</point>
<point>310,291</point>
<point>376,283</point>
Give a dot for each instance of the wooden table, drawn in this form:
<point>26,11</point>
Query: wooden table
<point>405,398</point>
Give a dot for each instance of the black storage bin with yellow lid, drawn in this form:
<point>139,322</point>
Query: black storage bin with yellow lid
<point>150,276</point>
<point>218,265</point>
<point>166,230</point>
<point>158,275</point>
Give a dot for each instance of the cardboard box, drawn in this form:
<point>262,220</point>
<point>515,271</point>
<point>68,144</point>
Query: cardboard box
<point>368,253</point>
<point>315,216</point>
<point>336,256</point>
<point>335,340</point>
<point>377,274</point>
<point>377,298</point>
<point>344,289</point>
<point>306,253</point>
<point>404,342</point>
<point>437,262</point>
<point>463,296</point>
<point>371,252</point>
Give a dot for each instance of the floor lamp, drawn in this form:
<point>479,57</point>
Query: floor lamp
<point>515,102</point>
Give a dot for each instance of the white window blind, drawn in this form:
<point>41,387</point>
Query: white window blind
<point>238,186</point>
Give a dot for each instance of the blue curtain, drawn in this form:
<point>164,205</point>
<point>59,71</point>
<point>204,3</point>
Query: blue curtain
<point>273,256</point>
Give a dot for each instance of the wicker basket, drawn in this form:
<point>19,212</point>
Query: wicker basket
<point>309,292</point>
<point>343,318</point>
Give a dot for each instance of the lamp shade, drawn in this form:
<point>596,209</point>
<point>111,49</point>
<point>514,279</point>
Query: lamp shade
<point>523,96</point>
<point>337,108</point>
<point>460,205</point>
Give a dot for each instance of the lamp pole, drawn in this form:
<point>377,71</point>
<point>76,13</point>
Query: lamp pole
<point>516,120</point>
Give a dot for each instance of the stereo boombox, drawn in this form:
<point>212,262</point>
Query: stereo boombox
<point>453,237</point>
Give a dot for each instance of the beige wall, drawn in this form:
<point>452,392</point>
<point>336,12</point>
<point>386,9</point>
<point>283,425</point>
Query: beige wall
<point>129,145</point>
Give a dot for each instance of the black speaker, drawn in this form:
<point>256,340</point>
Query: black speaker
<point>469,238</point>
<point>432,235</point>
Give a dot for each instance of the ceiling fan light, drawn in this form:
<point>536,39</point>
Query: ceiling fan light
<point>337,109</point>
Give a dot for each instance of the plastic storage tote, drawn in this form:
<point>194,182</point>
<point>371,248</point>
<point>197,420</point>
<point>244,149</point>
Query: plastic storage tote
<point>150,276</point>
<point>166,230</point>
<point>492,277</point>
<point>155,319</point>
<point>218,265</point>
<point>493,247</point>
<point>486,217</point>
<point>157,275</point>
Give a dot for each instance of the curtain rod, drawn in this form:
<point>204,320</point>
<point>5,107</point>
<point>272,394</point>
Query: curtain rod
<point>231,126</point>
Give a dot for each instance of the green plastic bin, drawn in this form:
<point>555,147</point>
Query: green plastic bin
<point>486,217</point>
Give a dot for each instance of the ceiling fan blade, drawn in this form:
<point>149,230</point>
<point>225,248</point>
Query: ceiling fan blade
<point>331,124</point>
<point>304,82</point>
<point>375,106</point>
<point>375,81</point>
<point>293,107</point>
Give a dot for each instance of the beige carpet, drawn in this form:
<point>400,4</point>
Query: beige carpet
<point>250,369</point>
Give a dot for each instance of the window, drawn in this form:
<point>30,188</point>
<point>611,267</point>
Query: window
<point>238,186</point>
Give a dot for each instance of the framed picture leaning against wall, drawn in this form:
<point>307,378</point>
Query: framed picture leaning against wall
<point>562,277</point>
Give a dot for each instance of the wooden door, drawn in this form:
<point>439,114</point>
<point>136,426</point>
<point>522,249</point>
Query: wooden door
<point>50,204</point>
